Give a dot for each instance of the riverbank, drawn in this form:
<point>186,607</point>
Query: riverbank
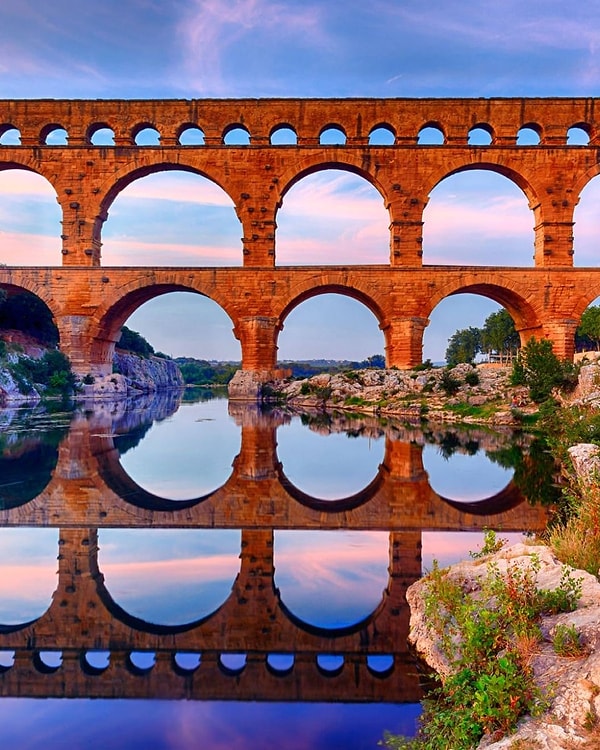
<point>465,393</point>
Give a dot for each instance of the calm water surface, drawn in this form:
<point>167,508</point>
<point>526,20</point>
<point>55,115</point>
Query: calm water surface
<point>228,578</point>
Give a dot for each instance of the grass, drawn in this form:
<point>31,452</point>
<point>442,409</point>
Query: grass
<point>464,409</point>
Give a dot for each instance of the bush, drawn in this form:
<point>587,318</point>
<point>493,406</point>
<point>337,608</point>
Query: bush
<point>449,384</point>
<point>538,367</point>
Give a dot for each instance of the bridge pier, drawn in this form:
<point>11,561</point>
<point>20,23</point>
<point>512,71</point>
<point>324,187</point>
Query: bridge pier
<point>561,332</point>
<point>404,341</point>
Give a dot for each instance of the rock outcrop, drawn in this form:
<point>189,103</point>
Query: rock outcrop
<point>411,394</point>
<point>135,375</point>
<point>571,684</point>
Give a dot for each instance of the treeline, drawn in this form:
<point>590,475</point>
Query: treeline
<point>499,340</point>
<point>203,372</point>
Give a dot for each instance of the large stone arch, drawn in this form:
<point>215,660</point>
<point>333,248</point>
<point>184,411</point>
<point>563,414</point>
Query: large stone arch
<point>109,318</point>
<point>527,320</point>
<point>131,173</point>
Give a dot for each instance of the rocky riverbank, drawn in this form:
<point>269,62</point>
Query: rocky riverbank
<point>465,393</point>
<point>570,684</point>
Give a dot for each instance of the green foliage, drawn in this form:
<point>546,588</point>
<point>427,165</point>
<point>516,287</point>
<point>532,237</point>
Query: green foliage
<point>486,639</point>
<point>201,372</point>
<point>538,367</point>
<point>52,371</point>
<point>589,326</point>
<point>463,346</point>
<point>426,365</point>
<point>26,312</point>
<point>491,545</point>
<point>498,334</point>
<point>448,383</point>
<point>134,342</point>
<point>472,378</point>
<point>567,641</point>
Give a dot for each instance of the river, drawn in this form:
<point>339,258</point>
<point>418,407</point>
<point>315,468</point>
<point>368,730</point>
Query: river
<point>176,575</point>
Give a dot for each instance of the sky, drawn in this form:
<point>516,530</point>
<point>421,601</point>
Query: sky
<point>294,48</point>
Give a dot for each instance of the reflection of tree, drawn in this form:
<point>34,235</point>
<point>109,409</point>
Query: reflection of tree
<point>25,471</point>
<point>534,470</point>
<point>131,439</point>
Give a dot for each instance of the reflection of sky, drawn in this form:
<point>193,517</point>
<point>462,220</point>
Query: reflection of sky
<point>187,455</point>
<point>449,547</point>
<point>463,477</point>
<point>186,725</point>
<point>169,576</point>
<point>27,573</point>
<point>327,466</point>
<point>331,578</point>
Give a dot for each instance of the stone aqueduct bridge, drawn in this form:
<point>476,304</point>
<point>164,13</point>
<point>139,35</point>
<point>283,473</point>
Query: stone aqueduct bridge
<point>90,302</point>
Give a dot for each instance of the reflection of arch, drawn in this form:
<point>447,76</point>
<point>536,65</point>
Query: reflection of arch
<point>506,499</point>
<point>121,614</point>
<point>118,481</point>
<point>332,506</point>
<point>25,476</point>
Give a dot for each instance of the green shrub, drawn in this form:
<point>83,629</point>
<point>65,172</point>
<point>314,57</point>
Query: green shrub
<point>487,641</point>
<point>448,383</point>
<point>567,641</point>
<point>472,378</point>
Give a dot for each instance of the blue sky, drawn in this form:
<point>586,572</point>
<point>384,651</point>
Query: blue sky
<point>230,48</point>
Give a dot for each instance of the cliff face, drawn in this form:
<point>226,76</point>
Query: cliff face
<point>148,375</point>
<point>135,375</point>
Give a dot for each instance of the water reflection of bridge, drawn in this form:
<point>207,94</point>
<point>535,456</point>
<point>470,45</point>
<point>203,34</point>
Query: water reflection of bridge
<point>252,621</point>
<point>90,488</point>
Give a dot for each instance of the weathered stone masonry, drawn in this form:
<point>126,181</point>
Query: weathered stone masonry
<point>90,303</point>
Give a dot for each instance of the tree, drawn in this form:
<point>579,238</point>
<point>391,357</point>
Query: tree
<point>589,326</point>
<point>538,367</point>
<point>499,334</point>
<point>463,346</point>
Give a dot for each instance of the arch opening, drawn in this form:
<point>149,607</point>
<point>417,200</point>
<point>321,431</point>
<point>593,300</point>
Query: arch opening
<point>101,135</point>
<point>147,136</point>
<point>9,135</point>
<point>578,135</point>
<point>332,216</point>
<point>169,577</point>
<point>480,135</point>
<point>529,135</point>
<point>171,218</point>
<point>587,225</point>
<point>236,135</point>
<point>382,135</point>
<point>55,135</point>
<point>330,325</point>
<point>332,135</point>
<point>431,135</point>
<point>30,219</point>
<point>331,580</point>
<point>476,325</point>
<point>477,217</point>
<point>191,136</point>
<point>283,135</point>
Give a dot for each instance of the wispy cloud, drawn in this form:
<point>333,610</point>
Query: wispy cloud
<point>214,32</point>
